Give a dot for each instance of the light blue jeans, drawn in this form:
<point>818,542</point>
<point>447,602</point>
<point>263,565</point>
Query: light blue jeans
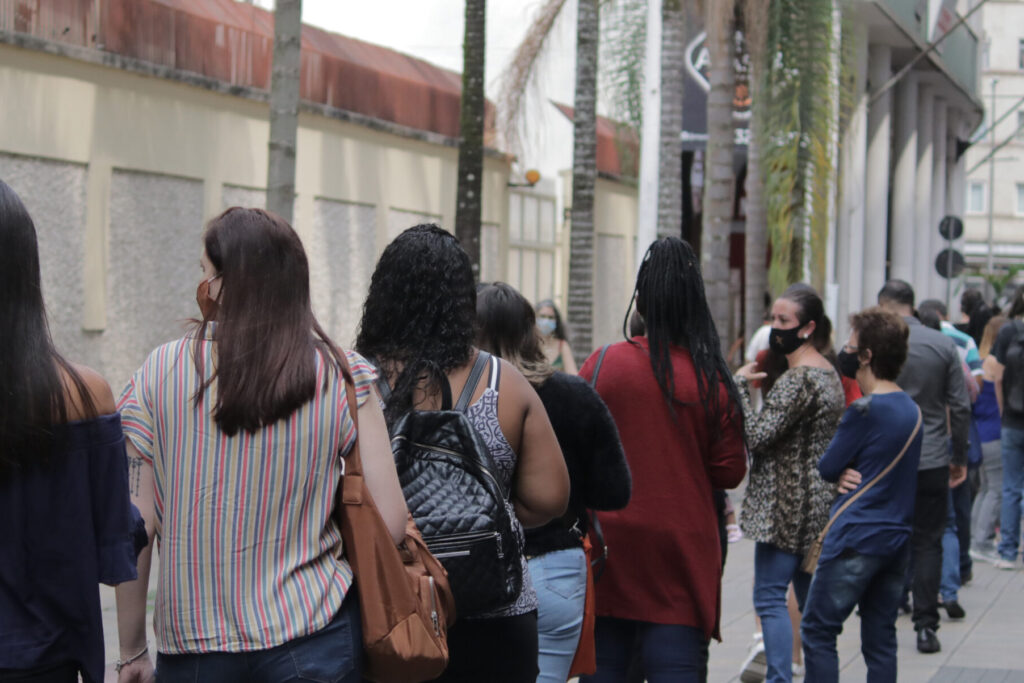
<point>560,579</point>
<point>774,569</point>
<point>1013,482</point>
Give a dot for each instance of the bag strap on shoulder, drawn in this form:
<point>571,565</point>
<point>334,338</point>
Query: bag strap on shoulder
<point>597,365</point>
<point>351,463</point>
<point>482,359</point>
<point>864,489</point>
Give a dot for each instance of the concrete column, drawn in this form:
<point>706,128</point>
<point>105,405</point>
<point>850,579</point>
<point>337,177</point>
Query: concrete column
<point>850,233</point>
<point>876,188</point>
<point>939,171</point>
<point>904,182</point>
<point>924,197</point>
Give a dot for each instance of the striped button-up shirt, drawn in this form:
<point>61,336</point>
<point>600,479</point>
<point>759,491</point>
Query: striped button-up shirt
<point>247,545</point>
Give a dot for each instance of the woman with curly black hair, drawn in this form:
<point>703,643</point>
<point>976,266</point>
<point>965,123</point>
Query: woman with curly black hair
<point>681,424</point>
<point>418,325</point>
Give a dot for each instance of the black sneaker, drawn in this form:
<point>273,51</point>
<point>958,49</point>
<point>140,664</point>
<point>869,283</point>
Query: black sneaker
<point>954,610</point>
<point>927,641</point>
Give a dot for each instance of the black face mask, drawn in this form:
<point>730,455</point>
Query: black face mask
<point>849,364</point>
<point>785,342</point>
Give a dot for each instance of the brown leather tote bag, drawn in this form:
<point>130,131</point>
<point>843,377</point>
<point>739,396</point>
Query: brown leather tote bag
<point>404,596</point>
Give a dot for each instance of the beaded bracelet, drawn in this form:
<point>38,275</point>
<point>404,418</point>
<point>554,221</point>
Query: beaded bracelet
<point>122,664</point>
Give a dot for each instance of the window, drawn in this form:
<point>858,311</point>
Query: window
<point>1020,199</point>
<point>533,242</point>
<point>976,197</point>
<point>1020,125</point>
<point>1020,53</point>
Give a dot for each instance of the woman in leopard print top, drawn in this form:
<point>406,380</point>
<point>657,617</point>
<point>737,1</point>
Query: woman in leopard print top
<point>786,502</point>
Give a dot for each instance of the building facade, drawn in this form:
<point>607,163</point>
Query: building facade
<point>994,195</point>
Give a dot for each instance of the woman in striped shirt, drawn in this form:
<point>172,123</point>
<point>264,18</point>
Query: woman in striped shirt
<point>234,438</point>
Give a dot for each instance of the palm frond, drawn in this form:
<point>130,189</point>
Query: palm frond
<point>521,73</point>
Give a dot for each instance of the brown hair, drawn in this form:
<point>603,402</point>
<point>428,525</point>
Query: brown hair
<point>507,327</point>
<point>266,364</point>
<point>885,334</point>
<point>988,337</point>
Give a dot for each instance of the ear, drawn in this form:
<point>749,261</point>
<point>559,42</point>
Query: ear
<point>807,331</point>
<point>865,357</point>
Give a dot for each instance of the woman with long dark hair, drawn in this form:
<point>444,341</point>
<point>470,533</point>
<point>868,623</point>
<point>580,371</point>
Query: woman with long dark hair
<point>418,326</point>
<point>679,417</point>
<point>593,454</point>
<point>786,502</point>
<point>67,521</point>
<point>235,433</point>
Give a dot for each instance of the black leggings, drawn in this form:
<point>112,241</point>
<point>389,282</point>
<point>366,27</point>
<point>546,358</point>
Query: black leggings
<point>500,650</point>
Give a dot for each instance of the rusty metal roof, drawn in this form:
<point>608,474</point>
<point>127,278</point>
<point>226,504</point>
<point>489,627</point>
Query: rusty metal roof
<point>233,42</point>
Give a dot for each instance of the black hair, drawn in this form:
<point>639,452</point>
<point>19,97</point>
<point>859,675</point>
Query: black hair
<point>266,367</point>
<point>670,296</point>
<point>929,317</point>
<point>1016,307</point>
<point>419,314</point>
<point>506,327</point>
<point>37,382</point>
<point>560,331</point>
<point>934,306</point>
<point>898,292</point>
<point>971,300</point>
<point>810,308</point>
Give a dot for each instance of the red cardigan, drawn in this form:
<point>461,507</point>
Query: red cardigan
<point>664,559</point>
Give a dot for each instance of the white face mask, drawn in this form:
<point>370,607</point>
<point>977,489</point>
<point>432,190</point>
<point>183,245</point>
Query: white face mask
<point>546,326</point>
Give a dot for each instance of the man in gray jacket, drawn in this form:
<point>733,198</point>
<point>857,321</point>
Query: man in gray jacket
<point>933,377</point>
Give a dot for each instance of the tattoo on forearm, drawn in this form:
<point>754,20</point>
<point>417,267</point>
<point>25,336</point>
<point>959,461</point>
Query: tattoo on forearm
<point>135,464</point>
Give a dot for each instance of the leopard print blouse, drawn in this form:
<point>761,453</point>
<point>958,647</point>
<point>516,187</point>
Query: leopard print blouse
<point>786,501</point>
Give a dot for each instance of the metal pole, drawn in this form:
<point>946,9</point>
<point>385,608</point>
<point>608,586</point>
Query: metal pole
<point>949,268</point>
<point>990,262</point>
<point>647,206</point>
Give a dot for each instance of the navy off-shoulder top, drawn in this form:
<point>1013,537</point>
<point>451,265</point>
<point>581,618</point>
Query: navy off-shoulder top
<point>64,528</point>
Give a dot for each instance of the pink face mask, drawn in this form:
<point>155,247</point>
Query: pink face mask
<point>207,304</point>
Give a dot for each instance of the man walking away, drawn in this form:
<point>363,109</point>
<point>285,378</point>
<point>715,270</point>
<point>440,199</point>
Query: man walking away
<point>1009,372</point>
<point>933,377</point>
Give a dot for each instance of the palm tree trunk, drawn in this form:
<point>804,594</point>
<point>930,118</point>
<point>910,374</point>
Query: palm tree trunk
<point>718,164</point>
<point>284,107</point>
<point>670,162</point>
<point>471,134</point>
<point>755,17</point>
<point>584,177</point>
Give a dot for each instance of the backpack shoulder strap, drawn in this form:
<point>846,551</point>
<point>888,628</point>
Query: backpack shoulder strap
<point>482,358</point>
<point>597,365</point>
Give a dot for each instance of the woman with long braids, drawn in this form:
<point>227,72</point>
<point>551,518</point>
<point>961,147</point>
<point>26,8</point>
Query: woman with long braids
<point>67,521</point>
<point>679,417</point>
<point>787,502</point>
<point>418,326</point>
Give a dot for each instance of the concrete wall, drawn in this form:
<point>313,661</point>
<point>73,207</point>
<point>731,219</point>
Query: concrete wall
<point>120,171</point>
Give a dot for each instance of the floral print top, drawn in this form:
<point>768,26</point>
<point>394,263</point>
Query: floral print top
<point>787,502</point>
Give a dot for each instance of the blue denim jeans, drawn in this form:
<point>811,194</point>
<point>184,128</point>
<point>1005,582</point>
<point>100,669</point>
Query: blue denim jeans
<point>331,655</point>
<point>1013,482</point>
<point>874,582</point>
<point>560,579</point>
<point>949,583</point>
<point>670,653</point>
<point>774,569</point>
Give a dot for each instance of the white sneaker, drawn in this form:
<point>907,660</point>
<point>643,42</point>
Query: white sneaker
<point>755,666</point>
<point>989,556</point>
<point>1004,564</point>
<point>798,670</point>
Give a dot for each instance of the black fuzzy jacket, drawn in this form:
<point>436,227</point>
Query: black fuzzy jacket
<point>598,473</point>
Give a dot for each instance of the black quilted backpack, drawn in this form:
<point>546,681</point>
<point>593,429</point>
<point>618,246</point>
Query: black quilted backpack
<point>455,493</point>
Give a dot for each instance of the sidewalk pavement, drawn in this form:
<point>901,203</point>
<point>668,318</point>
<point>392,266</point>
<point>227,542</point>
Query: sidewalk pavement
<point>986,646</point>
